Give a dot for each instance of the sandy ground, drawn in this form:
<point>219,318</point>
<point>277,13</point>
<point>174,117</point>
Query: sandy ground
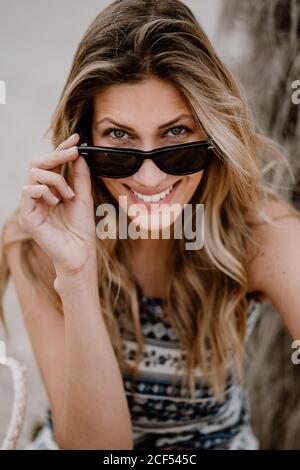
<point>37,43</point>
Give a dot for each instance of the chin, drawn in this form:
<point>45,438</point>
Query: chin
<point>150,224</point>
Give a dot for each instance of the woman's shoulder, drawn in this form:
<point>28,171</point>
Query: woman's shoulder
<point>275,235</point>
<point>271,206</point>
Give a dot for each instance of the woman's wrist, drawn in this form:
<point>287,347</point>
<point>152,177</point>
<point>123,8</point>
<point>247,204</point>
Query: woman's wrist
<point>84,279</point>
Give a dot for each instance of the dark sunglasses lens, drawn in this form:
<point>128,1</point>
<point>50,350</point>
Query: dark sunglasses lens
<point>112,164</point>
<point>183,161</point>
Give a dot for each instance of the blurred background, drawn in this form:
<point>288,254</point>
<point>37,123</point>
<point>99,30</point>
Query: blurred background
<point>259,41</point>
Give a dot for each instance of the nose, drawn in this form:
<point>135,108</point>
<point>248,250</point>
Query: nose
<point>149,175</point>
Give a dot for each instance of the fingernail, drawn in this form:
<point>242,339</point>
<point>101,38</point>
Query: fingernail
<point>70,191</point>
<point>71,136</point>
<point>71,150</point>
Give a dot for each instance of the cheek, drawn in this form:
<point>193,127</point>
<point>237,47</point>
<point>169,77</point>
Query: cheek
<point>191,183</point>
<point>113,186</point>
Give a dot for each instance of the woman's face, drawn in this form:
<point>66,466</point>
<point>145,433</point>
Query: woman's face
<point>145,116</point>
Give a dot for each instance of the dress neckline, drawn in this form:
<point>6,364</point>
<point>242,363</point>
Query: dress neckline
<point>252,303</point>
<point>148,299</point>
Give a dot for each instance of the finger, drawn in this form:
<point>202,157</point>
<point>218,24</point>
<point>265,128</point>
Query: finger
<point>81,178</point>
<point>31,194</point>
<point>54,160</point>
<point>58,182</point>
<point>69,142</point>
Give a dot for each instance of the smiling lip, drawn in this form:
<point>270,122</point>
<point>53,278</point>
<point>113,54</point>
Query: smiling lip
<point>164,200</point>
<point>149,192</point>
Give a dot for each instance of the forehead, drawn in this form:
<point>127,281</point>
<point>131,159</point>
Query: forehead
<point>152,98</point>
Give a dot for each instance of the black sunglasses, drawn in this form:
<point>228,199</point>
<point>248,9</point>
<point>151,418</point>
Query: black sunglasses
<point>181,159</point>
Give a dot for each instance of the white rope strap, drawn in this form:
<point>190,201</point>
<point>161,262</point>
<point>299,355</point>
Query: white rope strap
<point>18,372</point>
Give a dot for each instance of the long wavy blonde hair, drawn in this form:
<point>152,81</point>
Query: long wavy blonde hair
<point>206,295</point>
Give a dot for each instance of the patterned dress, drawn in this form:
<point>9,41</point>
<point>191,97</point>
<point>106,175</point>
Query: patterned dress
<point>165,417</point>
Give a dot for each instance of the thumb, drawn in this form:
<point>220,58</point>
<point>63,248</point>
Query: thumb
<point>81,178</point>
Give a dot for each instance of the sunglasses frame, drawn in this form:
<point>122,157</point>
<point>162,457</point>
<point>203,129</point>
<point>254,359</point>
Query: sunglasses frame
<point>141,155</point>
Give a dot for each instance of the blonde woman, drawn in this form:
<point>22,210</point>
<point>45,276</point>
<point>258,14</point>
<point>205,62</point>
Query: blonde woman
<point>140,341</point>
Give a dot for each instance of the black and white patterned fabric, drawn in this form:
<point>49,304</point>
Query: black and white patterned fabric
<point>163,414</point>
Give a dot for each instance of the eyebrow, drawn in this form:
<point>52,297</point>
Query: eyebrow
<point>107,119</point>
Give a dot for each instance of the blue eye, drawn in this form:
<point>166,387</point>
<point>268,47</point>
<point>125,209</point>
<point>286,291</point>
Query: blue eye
<point>115,130</point>
<point>183,130</point>
<point>186,129</point>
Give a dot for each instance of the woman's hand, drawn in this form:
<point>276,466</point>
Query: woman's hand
<point>64,227</point>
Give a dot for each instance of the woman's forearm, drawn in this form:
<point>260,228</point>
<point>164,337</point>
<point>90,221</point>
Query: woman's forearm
<point>96,414</point>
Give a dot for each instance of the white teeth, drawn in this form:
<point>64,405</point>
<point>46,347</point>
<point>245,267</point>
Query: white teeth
<point>153,197</point>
